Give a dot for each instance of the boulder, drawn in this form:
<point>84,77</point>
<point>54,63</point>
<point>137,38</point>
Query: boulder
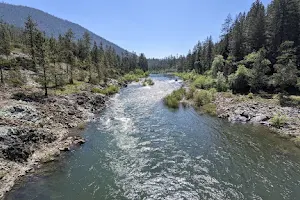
<point>259,118</point>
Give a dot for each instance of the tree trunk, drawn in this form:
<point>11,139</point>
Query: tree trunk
<point>55,76</point>
<point>71,77</point>
<point>2,78</point>
<point>45,81</point>
<point>90,73</point>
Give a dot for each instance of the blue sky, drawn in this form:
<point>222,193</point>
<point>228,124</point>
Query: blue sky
<point>157,28</point>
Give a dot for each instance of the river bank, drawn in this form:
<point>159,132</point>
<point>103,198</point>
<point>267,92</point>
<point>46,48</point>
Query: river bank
<point>236,108</point>
<point>36,130</point>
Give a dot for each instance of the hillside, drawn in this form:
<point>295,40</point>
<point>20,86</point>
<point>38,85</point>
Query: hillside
<point>50,24</point>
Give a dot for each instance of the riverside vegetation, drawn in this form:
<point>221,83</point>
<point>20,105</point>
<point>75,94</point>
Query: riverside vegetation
<point>50,86</point>
<point>251,74</point>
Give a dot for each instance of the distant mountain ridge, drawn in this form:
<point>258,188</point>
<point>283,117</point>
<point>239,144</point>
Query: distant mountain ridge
<point>51,25</point>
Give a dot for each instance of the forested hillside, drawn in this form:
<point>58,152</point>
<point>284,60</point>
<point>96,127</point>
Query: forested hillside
<point>257,51</point>
<point>60,62</point>
<point>51,25</point>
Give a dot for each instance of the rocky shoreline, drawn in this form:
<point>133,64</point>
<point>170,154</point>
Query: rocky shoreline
<point>35,130</point>
<point>259,112</point>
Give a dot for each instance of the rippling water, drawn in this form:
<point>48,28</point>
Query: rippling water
<point>139,149</point>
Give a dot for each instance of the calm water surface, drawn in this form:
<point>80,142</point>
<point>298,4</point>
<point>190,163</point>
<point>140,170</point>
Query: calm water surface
<point>139,149</point>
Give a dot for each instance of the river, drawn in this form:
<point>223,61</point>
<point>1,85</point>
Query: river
<point>139,149</point>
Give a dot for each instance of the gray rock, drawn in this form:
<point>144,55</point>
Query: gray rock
<point>259,118</point>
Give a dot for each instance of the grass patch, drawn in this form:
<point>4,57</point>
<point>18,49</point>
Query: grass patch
<point>296,141</point>
<point>110,90</point>
<point>134,76</point>
<point>172,100</point>
<point>81,126</point>
<point>278,121</point>
<point>227,94</point>
<point>187,76</point>
<point>70,88</point>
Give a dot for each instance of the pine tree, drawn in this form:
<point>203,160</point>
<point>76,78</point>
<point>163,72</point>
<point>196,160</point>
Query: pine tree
<point>95,60</point>
<point>53,58</point>
<point>41,57</point>
<point>5,47</point>
<point>282,24</point>
<point>256,27</point>
<point>30,32</point>
<point>143,63</point>
<point>259,68</point>
<point>237,39</point>
<point>68,53</point>
<point>285,67</point>
<point>224,43</point>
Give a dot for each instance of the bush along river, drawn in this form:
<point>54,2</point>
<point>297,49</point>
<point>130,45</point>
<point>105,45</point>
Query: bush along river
<point>140,149</point>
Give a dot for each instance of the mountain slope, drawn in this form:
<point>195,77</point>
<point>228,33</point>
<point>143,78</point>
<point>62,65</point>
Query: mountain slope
<point>51,25</point>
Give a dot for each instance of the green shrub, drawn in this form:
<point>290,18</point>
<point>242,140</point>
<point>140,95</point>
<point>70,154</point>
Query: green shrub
<point>210,109</point>
<point>213,93</point>
<point>190,92</point>
<point>296,141</point>
<point>278,121</point>
<point>81,125</point>
<point>203,82</point>
<point>15,78</point>
<point>239,82</point>
<point>96,90</point>
<point>221,83</point>
<point>130,78</point>
<point>110,90</point>
<point>203,97</point>
<point>148,81</point>
<point>187,76</point>
<point>250,95</point>
<point>173,99</point>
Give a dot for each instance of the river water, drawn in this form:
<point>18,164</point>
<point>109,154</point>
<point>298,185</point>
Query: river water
<point>139,149</point>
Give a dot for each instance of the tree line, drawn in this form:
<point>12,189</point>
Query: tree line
<point>257,51</point>
<point>60,61</point>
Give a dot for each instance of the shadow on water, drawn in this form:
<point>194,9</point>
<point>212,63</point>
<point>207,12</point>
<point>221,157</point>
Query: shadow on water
<point>139,149</point>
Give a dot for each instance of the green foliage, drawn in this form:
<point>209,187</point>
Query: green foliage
<point>285,67</point>
<point>96,90</point>
<point>203,97</point>
<point>74,88</point>
<point>187,76</point>
<point>250,95</point>
<point>81,126</point>
<point>172,100</point>
<point>260,66</point>
<point>134,76</point>
<point>110,90</point>
<point>190,92</point>
<point>143,63</point>
<point>221,83</point>
<point>210,108</point>
<point>204,82</point>
<point>278,121</point>
<point>148,81</point>
<point>217,65</point>
<point>239,82</point>
<point>15,78</point>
